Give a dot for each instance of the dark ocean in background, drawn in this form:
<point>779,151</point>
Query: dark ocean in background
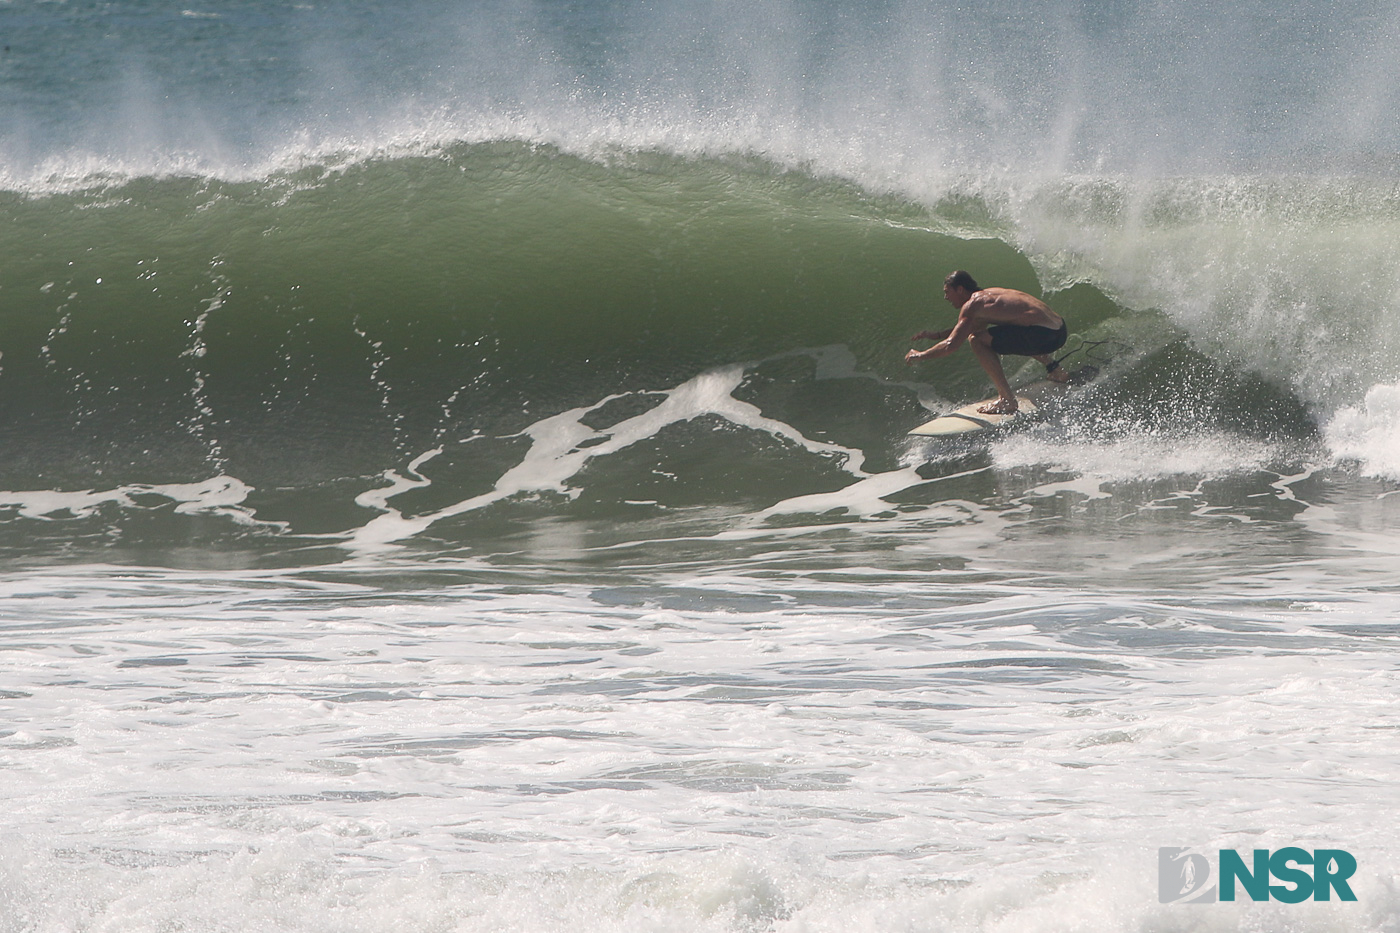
<point>454,473</point>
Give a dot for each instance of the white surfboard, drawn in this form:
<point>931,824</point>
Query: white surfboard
<point>1029,402</point>
<point>968,420</point>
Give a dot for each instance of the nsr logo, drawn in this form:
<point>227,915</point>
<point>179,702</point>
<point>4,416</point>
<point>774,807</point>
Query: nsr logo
<point>1183,876</point>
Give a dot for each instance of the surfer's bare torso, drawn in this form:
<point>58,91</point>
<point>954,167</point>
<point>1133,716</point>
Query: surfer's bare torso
<point>1008,306</point>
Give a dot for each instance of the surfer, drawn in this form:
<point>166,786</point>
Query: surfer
<point>994,322</point>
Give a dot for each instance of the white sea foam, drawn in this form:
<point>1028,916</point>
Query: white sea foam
<point>1369,433</point>
<point>220,495</point>
<point>736,749</point>
<point>285,886</point>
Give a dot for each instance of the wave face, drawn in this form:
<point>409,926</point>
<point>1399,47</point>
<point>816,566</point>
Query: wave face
<point>343,319</point>
<point>333,321</point>
<point>422,226</point>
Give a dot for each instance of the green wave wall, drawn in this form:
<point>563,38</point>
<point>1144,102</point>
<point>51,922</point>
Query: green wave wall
<point>327,321</point>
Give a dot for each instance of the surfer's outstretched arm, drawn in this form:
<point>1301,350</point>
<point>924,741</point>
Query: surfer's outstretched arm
<point>931,335</point>
<point>951,339</point>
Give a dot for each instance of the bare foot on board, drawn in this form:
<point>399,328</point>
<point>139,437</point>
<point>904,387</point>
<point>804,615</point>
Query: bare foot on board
<point>1002,406</point>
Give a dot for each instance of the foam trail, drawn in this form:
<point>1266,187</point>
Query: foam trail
<point>862,497</point>
<point>557,452</point>
<point>219,495</point>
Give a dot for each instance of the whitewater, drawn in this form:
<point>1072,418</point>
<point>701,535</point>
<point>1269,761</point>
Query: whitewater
<point>454,472</point>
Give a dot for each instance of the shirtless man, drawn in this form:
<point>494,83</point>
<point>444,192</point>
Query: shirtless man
<point>995,321</point>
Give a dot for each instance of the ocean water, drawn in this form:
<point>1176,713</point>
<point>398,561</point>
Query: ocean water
<point>454,472</point>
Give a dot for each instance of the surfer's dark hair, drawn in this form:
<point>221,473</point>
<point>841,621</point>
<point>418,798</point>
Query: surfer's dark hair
<point>964,280</point>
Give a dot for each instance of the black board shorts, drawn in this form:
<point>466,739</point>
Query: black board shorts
<point>1024,340</point>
